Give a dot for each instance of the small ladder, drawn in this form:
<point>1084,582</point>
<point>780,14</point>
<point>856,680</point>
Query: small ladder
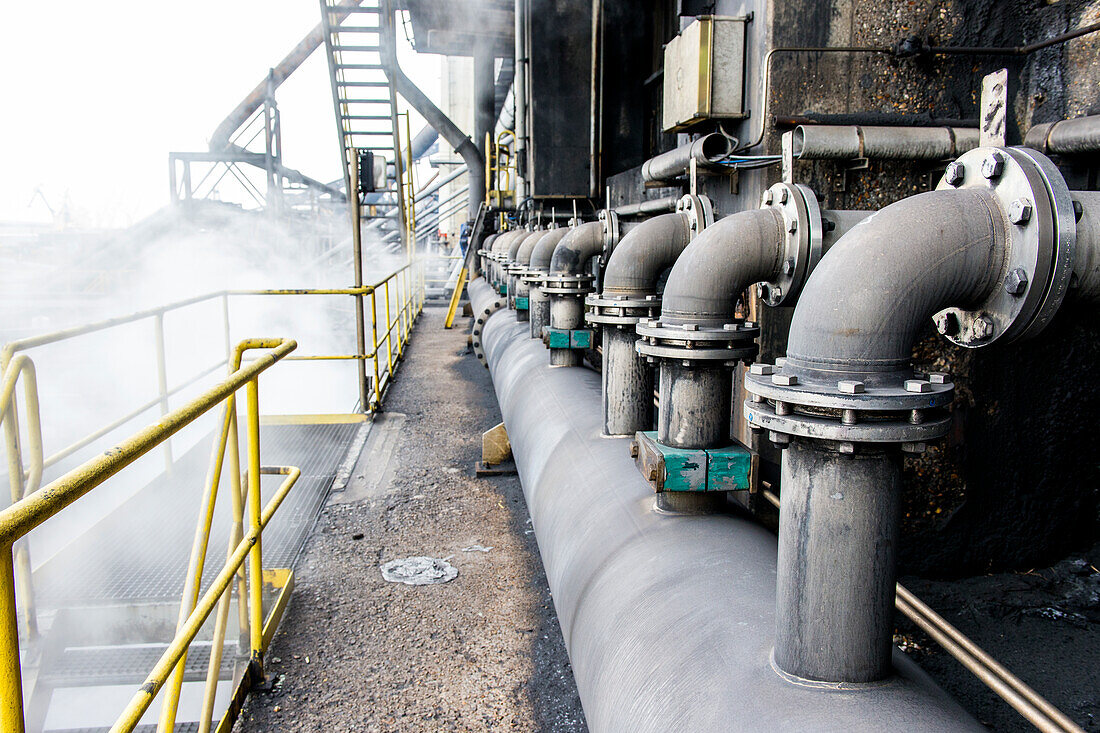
<point>363,98</point>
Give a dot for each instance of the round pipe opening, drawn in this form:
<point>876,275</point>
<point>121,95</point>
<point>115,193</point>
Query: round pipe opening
<point>715,147</point>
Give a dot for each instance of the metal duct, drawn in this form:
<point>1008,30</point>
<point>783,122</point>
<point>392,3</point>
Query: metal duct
<point>824,142</point>
<point>1081,135</point>
<point>667,619</point>
<point>706,152</point>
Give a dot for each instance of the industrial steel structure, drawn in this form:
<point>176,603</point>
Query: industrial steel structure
<point>759,285</point>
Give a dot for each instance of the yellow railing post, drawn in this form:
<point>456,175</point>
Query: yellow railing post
<point>374,347</point>
<point>255,556</point>
<point>389,327</point>
<point>162,383</point>
<point>11,676</point>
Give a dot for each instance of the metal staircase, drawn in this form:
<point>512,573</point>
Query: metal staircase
<point>364,100</point>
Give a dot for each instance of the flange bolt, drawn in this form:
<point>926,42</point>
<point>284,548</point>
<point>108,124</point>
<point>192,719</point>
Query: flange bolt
<point>1019,211</point>
<point>1016,281</point>
<point>983,328</point>
<point>993,165</point>
<point>946,323</point>
<point>955,174</point>
<point>762,369</point>
<point>850,387</point>
<point>768,198</point>
<point>788,266</point>
<point>917,385</point>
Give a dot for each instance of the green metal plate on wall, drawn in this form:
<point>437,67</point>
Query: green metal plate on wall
<point>580,339</point>
<point>522,304</point>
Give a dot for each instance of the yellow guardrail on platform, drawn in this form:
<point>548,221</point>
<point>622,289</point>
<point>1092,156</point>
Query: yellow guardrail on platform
<point>30,508</point>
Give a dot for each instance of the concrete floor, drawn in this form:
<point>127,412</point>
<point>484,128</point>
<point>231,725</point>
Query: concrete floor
<point>482,652</point>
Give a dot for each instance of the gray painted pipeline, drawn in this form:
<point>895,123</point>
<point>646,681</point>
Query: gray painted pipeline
<point>552,237</point>
<point>821,142</point>
<point>726,257</point>
<point>648,207</point>
<point>543,251</point>
<point>632,271</point>
<point>668,619</point>
<point>1067,137</point>
<point>643,254</point>
<point>706,151</point>
<point>864,327</point>
<point>575,249</point>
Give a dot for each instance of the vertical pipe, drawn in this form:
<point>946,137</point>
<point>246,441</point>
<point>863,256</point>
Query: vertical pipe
<point>11,676</point>
<point>627,384</point>
<point>484,99</point>
<point>162,384</point>
<point>838,534</point>
<point>357,249</point>
<point>566,312</point>
<point>539,303</point>
<point>519,97</point>
<point>695,405</point>
<point>255,555</point>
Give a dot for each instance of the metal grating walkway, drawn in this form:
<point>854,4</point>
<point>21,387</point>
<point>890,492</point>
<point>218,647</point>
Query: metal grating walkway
<point>139,553</point>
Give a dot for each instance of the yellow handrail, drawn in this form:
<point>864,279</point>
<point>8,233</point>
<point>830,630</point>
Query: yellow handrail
<point>33,509</point>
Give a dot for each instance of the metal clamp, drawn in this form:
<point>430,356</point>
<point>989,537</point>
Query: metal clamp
<point>1041,234</point>
<point>665,468</point>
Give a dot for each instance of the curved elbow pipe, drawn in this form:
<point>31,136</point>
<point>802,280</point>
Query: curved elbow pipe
<point>865,325</point>
<point>543,251</point>
<point>549,240</point>
<point>723,260</point>
<point>644,253</point>
<point>520,242</point>
<point>575,249</point>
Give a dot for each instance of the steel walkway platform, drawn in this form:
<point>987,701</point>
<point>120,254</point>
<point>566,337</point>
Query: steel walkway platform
<point>139,553</point>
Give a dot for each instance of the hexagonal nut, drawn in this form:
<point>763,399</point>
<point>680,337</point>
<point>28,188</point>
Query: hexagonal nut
<point>917,385</point>
<point>850,386</point>
<point>780,439</point>
<point>633,449</point>
<point>784,380</point>
<point>788,266</point>
<point>955,174</point>
<point>690,326</point>
<point>938,378</point>
<point>983,328</point>
<point>1016,281</point>
<point>993,165</point>
<point>784,195</point>
<point>762,369</point>
<point>768,198</point>
<point>847,448</point>
<point>730,326</point>
<point>792,226</point>
<point>913,447</point>
<point>1019,211</point>
<point>781,361</point>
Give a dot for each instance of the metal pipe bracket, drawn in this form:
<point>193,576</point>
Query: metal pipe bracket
<point>733,468</point>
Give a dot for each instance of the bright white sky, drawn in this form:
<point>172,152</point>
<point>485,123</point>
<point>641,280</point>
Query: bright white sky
<point>94,95</point>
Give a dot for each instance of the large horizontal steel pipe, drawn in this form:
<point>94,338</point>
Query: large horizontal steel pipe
<point>668,619</point>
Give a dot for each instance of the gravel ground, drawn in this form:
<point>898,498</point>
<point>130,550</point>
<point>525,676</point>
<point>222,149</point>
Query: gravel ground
<point>482,652</point>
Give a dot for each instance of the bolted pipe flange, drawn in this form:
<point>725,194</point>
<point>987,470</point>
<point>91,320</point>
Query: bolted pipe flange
<point>611,232</point>
<point>479,326</point>
<point>700,213</point>
<point>905,410</point>
<point>1040,232</point>
<point>802,241</point>
<point>559,284</point>
<point>693,344</point>
<point>621,311</point>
